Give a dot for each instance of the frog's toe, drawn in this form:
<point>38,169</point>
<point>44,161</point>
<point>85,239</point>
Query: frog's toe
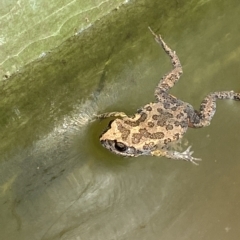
<point>188,156</point>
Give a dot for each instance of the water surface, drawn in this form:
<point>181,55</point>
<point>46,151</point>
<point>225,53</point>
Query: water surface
<point>58,182</point>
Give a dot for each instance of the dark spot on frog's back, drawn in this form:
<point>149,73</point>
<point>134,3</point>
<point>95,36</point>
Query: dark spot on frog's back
<point>169,127</point>
<point>169,115</point>
<point>180,115</point>
<point>149,146</point>
<point>157,135</point>
<point>136,137</point>
<point>120,127</point>
<point>183,124</point>
<point>143,117</point>
<point>176,136</point>
<point>148,108</point>
<point>124,131</point>
<point>144,132</point>
<point>125,134</point>
<point>167,105</point>
<point>145,147</point>
<point>160,110</point>
<point>168,140</point>
<point>156,117</point>
<point>176,123</point>
<point>161,123</point>
<point>131,123</point>
<point>151,124</point>
<point>164,113</point>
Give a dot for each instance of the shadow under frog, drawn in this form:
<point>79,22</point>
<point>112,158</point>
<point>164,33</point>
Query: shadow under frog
<point>151,130</point>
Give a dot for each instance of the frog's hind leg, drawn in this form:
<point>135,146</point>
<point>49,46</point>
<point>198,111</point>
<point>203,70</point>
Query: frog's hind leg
<point>168,80</point>
<point>208,108</point>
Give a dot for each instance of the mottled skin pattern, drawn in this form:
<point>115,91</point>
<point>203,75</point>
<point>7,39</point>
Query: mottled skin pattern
<point>154,126</point>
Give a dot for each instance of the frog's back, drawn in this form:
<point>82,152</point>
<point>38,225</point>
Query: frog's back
<point>155,124</point>
<point>166,120</point>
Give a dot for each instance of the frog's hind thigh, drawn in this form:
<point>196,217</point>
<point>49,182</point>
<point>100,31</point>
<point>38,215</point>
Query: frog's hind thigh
<point>172,77</point>
<point>208,108</point>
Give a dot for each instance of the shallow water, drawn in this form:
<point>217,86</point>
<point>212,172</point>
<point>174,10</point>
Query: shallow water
<point>58,182</point>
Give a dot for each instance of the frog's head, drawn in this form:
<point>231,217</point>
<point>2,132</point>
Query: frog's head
<point>124,140</point>
<point>120,148</point>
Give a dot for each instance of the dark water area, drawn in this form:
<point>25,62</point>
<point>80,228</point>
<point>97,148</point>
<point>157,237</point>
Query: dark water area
<point>58,182</point>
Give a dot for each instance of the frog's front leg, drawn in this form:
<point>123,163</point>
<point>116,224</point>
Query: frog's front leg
<point>111,114</point>
<point>208,108</point>
<point>168,80</point>
<point>186,155</point>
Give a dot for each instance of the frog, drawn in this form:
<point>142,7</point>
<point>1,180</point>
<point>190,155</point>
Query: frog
<point>155,127</point>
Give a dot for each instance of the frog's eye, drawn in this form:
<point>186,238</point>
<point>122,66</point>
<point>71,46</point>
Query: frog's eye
<point>120,147</point>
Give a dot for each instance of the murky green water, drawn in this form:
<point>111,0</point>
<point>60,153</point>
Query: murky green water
<point>57,182</point>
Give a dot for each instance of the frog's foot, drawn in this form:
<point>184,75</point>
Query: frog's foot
<point>110,114</point>
<point>186,155</point>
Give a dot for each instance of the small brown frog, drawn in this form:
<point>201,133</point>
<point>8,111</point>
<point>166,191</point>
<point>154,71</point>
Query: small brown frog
<point>151,130</point>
